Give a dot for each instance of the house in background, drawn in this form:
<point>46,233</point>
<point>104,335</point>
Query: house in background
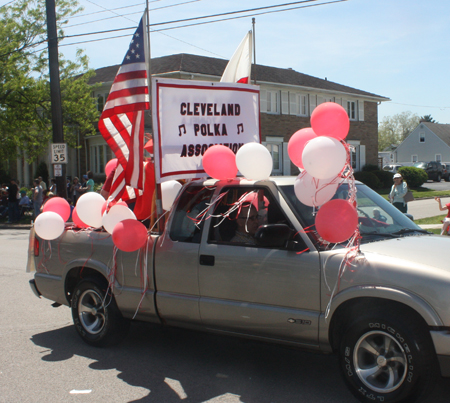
<point>287,99</point>
<point>427,142</point>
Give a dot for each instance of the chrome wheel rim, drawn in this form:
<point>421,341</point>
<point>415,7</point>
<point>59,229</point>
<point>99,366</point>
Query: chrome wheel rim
<point>91,311</point>
<point>380,361</point>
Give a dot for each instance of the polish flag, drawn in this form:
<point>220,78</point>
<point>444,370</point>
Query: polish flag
<point>239,66</point>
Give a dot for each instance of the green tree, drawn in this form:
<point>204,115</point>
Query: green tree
<point>394,129</point>
<point>25,107</point>
<point>428,118</point>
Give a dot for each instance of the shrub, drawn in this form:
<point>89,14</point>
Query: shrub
<point>370,168</point>
<point>385,177</point>
<point>414,177</point>
<point>369,179</point>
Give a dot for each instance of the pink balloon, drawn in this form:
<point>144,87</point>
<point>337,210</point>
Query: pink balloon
<point>336,221</point>
<point>314,192</point>
<point>219,162</point>
<point>59,206</point>
<point>297,143</point>
<point>110,165</point>
<point>76,220</point>
<point>324,157</point>
<point>330,119</point>
<point>129,235</point>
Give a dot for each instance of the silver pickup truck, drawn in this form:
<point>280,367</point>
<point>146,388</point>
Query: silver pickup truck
<point>385,311</point>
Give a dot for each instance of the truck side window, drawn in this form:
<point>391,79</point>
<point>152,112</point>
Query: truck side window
<point>186,224</point>
<point>224,226</point>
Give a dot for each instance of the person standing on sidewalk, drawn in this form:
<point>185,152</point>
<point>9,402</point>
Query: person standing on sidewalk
<point>446,223</point>
<point>37,197</point>
<point>398,192</point>
<point>13,202</point>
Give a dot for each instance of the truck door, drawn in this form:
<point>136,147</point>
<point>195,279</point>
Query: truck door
<point>265,291</point>
<point>176,259</point>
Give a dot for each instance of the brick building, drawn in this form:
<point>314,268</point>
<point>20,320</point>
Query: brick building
<point>287,99</point>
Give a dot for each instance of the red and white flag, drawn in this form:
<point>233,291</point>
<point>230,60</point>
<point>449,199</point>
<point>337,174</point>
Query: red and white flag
<point>122,120</point>
<point>239,67</point>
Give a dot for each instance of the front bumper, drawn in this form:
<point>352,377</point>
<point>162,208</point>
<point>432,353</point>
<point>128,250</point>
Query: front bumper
<point>441,340</point>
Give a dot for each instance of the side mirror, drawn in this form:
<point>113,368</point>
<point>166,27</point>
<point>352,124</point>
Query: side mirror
<point>278,236</point>
<point>273,235</point>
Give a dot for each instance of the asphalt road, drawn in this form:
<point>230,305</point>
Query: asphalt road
<point>43,360</point>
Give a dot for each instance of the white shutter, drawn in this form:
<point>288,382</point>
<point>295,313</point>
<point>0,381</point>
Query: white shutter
<point>361,110</point>
<point>286,160</point>
<point>284,103</point>
<point>312,103</point>
<point>338,100</point>
<point>263,100</point>
<point>362,156</point>
<point>293,103</point>
<point>320,99</point>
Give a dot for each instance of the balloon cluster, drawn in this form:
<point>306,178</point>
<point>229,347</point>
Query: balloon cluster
<point>91,211</point>
<point>319,151</point>
<point>253,160</point>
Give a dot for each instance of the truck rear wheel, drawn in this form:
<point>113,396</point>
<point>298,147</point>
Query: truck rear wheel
<point>387,356</point>
<point>96,316</point>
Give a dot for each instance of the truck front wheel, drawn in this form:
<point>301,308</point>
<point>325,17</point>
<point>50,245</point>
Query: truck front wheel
<point>96,316</point>
<point>388,356</point>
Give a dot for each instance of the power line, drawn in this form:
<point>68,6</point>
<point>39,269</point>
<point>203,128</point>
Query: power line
<point>123,15</point>
<point>421,106</point>
<point>183,26</point>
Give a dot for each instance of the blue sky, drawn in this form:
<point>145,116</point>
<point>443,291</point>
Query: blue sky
<point>394,48</point>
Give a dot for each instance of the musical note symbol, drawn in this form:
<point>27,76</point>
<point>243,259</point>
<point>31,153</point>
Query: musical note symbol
<point>182,127</point>
<point>240,128</point>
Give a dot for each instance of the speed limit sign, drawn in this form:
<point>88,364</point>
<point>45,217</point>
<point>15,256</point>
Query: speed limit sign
<point>59,153</point>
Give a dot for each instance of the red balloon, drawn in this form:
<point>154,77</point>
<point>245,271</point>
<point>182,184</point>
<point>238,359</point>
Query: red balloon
<point>129,235</point>
<point>219,162</point>
<point>297,143</point>
<point>110,165</point>
<point>330,119</point>
<point>336,221</point>
<point>76,220</point>
<point>59,206</point>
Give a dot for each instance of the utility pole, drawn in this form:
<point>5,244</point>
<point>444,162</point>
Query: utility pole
<point>59,160</point>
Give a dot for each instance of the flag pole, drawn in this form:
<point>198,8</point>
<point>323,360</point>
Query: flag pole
<point>254,51</point>
<point>158,193</point>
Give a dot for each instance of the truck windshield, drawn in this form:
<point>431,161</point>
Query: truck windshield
<point>377,217</point>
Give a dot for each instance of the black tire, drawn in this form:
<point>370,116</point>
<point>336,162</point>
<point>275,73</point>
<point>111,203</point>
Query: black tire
<point>387,355</point>
<point>438,179</point>
<point>97,319</point>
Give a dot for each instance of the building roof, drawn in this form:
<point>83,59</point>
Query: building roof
<point>209,66</point>
<point>439,129</point>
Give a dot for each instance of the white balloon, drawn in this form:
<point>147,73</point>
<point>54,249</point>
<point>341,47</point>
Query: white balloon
<point>314,192</point>
<point>169,191</point>
<point>324,157</point>
<point>254,161</point>
<point>49,225</point>
<point>89,209</point>
<point>116,214</point>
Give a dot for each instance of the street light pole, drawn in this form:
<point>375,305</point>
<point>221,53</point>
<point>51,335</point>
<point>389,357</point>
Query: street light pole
<point>55,94</point>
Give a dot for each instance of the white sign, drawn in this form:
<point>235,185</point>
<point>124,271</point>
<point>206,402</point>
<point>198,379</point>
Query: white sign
<point>59,153</point>
<point>191,116</point>
<point>58,169</point>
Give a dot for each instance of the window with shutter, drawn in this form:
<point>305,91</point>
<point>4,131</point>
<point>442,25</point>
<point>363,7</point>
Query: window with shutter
<point>360,110</point>
<point>285,102</point>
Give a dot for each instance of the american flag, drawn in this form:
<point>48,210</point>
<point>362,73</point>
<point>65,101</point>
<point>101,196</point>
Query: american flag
<point>122,120</point>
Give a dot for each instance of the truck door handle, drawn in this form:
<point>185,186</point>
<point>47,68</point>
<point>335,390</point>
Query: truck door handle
<point>206,260</point>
